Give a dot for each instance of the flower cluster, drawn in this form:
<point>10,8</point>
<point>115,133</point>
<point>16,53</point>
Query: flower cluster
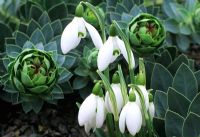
<point>93,110</point>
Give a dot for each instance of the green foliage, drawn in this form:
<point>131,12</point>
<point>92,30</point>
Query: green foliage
<point>175,84</point>
<point>34,68</point>
<point>182,20</point>
<point>124,11</point>
<point>146,33</point>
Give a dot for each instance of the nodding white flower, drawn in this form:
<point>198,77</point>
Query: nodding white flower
<point>146,97</point>
<point>111,49</point>
<point>76,30</point>
<point>119,99</point>
<point>92,113</point>
<point>151,109</point>
<point>130,117</point>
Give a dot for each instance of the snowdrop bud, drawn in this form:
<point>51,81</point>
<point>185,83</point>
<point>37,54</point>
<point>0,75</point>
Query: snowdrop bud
<point>112,30</point>
<point>115,78</point>
<point>79,11</point>
<point>151,109</point>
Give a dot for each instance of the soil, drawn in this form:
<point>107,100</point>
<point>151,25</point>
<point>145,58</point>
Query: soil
<point>52,121</point>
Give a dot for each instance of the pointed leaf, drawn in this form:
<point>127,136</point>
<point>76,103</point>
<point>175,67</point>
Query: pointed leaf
<point>37,37</point>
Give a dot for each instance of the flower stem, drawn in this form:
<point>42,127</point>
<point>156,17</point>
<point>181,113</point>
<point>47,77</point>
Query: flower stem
<point>109,124</point>
<point>117,132</point>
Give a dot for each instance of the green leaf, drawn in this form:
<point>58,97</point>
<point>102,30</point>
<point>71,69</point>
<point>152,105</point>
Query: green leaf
<point>149,66</point>
<point>8,87</point>
<point>64,75</point>
<point>177,102</point>
<point>185,82</point>
<point>173,124</point>
<point>57,92</point>
<point>18,85</point>
<point>160,102</point>
<point>28,45</point>
<point>47,32</point>
<point>66,87</point>
<point>57,27</point>
<point>44,19</point>
<point>37,105</point>
<point>52,46</point>
<point>39,79</point>
<point>159,125</point>
<point>197,75</point>
<point>27,106</point>
<point>194,106</point>
<point>21,38</point>
<point>69,61</point>
<point>80,82</point>
<point>177,62</point>
<point>37,37</point>
<point>81,71</point>
<point>26,80</point>
<point>161,78</point>
<point>13,50</point>
<point>39,89</point>
<point>165,58</point>
<point>60,60</point>
<point>58,11</point>
<point>33,25</point>
<point>35,12</point>
<point>183,42</point>
<point>171,25</point>
<point>191,126</point>
<point>5,32</point>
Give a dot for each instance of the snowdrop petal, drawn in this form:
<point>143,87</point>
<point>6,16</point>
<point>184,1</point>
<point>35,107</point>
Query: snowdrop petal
<point>100,116</point>
<point>96,38</point>
<point>145,94</point>
<point>133,118</point>
<point>69,38</point>
<point>87,109</point>
<point>118,95</point>
<point>88,127</point>
<point>81,27</point>
<point>107,102</point>
<point>122,119</point>
<point>105,55</point>
<point>151,109</point>
<point>122,48</point>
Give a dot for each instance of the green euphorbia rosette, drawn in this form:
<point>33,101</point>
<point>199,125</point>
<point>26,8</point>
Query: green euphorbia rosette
<point>146,33</point>
<point>33,72</point>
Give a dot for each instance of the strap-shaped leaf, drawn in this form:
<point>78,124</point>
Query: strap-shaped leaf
<point>37,37</point>
<point>21,38</point>
<point>177,62</point>
<point>185,82</point>
<point>177,102</point>
<point>191,126</point>
<point>47,32</point>
<point>173,124</point>
<point>13,50</point>
<point>160,102</point>
<point>161,78</point>
<point>64,75</point>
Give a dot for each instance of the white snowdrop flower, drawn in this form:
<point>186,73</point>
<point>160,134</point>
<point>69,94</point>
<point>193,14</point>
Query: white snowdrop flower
<point>151,109</point>
<point>146,97</point>
<point>111,49</point>
<point>119,99</point>
<point>130,117</point>
<point>92,112</point>
<point>76,30</point>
